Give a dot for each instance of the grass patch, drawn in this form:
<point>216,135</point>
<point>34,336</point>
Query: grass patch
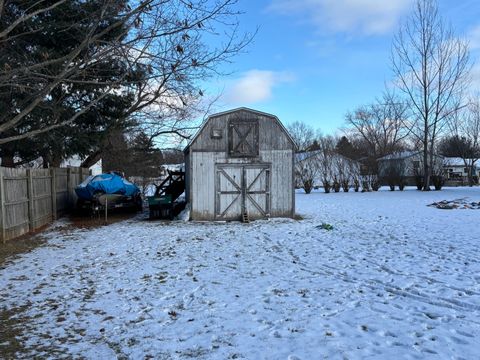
<point>298,217</point>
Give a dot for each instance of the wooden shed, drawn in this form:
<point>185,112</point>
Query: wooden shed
<point>241,162</point>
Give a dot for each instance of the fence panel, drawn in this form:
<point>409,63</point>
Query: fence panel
<point>32,198</point>
<point>62,192</point>
<point>14,199</point>
<point>42,198</point>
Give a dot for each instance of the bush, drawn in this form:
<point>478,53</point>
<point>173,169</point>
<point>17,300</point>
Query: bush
<point>308,186</point>
<point>438,182</point>
<point>393,174</point>
<point>326,186</point>
<point>419,182</point>
<point>345,185</point>
<point>336,186</point>
<point>365,186</point>
<point>356,185</point>
<point>375,185</point>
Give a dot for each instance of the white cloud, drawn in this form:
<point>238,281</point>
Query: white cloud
<point>255,86</point>
<point>474,38</point>
<point>360,17</point>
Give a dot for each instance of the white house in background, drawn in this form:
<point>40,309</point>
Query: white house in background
<point>75,161</point>
<point>456,170</point>
<point>335,166</point>
<point>408,164</point>
<point>165,168</point>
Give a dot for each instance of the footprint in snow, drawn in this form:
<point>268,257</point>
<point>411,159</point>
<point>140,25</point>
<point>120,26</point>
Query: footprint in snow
<point>458,340</point>
<point>275,334</point>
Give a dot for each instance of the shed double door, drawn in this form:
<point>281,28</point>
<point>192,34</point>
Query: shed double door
<point>242,188</point>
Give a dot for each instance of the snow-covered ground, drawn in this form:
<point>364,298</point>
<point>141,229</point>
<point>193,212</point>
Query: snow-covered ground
<point>393,279</point>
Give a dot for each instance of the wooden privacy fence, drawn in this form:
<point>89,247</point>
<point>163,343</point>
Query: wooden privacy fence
<point>32,198</point>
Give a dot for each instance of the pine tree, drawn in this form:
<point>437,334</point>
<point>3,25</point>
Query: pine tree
<point>60,31</point>
<point>345,148</point>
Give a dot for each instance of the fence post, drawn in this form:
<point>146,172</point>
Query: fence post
<point>2,206</point>
<point>31,200</point>
<point>54,193</point>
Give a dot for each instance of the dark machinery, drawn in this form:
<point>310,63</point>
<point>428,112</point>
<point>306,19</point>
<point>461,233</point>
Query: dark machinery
<point>165,203</point>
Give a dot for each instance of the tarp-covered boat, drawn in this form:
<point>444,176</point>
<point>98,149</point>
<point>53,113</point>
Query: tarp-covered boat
<point>109,189</point>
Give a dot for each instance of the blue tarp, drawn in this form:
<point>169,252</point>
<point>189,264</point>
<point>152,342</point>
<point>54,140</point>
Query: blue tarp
<point>109,183</point>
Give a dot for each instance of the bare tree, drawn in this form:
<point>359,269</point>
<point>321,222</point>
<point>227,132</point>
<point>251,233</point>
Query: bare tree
<point>431,66</point>
<point>302,134</point>
<point>382,125</point>
<point>326,161</point>
<point>165,48</point>
<point>306,170</point>
<point>393,172</point>
<point>342,172</point>
<point>306,161</point>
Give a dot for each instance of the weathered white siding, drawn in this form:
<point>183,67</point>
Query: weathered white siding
<point>203,184</point>
<point>282,186</point>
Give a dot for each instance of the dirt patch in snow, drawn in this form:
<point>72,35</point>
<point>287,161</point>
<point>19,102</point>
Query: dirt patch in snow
<point>456,204</point>
<point>87,221</point>
<point>12,249</point>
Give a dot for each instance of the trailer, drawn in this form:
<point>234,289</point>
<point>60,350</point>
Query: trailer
<point>108,191</point>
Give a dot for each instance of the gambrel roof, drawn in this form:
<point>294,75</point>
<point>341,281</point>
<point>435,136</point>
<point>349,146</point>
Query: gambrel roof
<point>252,111</point>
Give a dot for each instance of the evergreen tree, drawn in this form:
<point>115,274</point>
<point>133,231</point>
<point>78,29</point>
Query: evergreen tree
<point>457,146</point>
<point>59,33</point>
<point>345,148</point>
<point>146,159</point>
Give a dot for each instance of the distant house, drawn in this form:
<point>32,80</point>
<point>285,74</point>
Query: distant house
<point>314,164</point>
<point>75,161</point>
<point>456,170</point>
<point>368,166</point>
<point>407,164</point>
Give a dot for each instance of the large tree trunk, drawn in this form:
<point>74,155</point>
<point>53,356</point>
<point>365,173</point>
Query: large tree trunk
<point>45,161</point>
<point>431,161</point>
<point>426,168</point>
<point>470,174</point>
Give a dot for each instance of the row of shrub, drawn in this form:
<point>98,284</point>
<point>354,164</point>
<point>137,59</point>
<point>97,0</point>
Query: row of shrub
<point>372,184</point>
<point>366,184</point>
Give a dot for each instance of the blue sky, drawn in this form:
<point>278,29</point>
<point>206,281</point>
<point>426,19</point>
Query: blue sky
<point>314,60</point>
